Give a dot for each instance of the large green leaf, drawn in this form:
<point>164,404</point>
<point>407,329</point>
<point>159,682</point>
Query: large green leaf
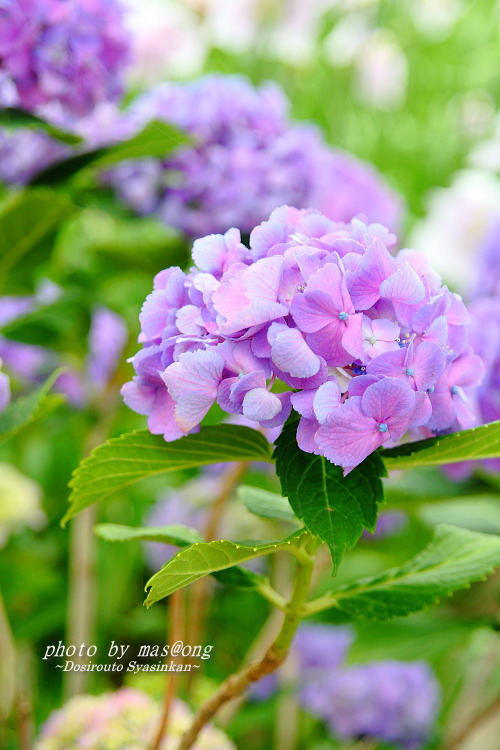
<point>181,536</point>
<point>157,139</point>
<point>201,560</point>
<point>27,409</point>
<point>333,507</point>
<point>25,222</point>
<point>453,559</point>
<point>265,504</point>
<point>470,445</point>
<point>12,117</point>
<point>125,460</point>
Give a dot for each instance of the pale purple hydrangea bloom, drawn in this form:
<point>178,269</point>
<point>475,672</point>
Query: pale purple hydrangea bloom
<point>247,157</point>
<point>24,153</point>
<point>367,345</point>
<point>4,389</point>
<point>69,54</point>
<point>390,701</point>
<point>107,338</point>
<point>32,364</point>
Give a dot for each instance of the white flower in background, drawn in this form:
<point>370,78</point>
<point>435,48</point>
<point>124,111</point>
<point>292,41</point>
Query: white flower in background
<point>168,41</point>
<point>435,18</point>
<point>486,154</point>
<point>294,39</point>
<point>231,25</point>
<point>344,42</point>
<point>458,220</point>
<point>475,113</point>
<point>19,502</point>
<point>381,71</point>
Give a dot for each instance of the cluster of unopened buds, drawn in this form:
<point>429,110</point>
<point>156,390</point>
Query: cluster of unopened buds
<point>315,315</point>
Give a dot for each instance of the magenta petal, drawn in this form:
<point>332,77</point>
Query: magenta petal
<point>161,420</point>
<point>350,436</point>
<point>422,411</point>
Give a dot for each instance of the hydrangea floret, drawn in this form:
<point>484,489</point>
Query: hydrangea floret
<point>314,315</point>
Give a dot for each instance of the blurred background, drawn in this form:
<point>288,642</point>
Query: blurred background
<point>126,131</point>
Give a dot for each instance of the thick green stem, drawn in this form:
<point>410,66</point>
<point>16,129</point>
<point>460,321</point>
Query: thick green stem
<point>275,655</point>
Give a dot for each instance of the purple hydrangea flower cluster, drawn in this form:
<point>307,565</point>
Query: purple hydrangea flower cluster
<point>390,701</point>
<point>365,345</point>
<point>69,53</point>
<point>247,157</point>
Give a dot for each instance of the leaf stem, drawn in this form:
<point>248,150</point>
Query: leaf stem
<point>235,684</point>
<point>268,592</point>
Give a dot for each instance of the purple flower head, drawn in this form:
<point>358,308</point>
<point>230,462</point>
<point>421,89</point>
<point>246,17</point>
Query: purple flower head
<point>389,523</point>
<point>317,316</point>
<point>107,338</point>
<point>247,157</point>
<point>4,389</point>
<point>389,701</point>
<point>62,53</point>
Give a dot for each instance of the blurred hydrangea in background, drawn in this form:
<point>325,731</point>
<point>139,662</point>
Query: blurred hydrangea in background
<point>127,718</point>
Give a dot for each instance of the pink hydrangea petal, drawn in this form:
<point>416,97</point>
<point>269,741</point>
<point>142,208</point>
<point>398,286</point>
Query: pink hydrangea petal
<point>290,352</point>
<point>259,404</point>
<point>306,435</point>
<point>350,436</point>
<point>312,311</point>
<point>327,398</point>
<point>193,382</point>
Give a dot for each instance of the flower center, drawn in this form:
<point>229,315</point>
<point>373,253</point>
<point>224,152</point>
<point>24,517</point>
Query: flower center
<point>343,315</point>
<point>383,427</point>
<point>431,389</point>
<point>410,371</point>
<point>372,340</point>
<point>454,389</point>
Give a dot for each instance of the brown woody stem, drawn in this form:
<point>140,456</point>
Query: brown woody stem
<point>275,655</point>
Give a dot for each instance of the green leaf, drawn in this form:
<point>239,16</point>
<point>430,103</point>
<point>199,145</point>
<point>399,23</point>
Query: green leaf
<point>239,578</point>
<point>265,504</point>
<point>27,220</point>
<point>27,409</point>
<point>470,445</point>
<point>181,536</point>
<point>157,139</point>
<point>201,560</point>
<point>453,559</point>
<point>12,117</point>
<point>333,507</point>
<point>125,460</point>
